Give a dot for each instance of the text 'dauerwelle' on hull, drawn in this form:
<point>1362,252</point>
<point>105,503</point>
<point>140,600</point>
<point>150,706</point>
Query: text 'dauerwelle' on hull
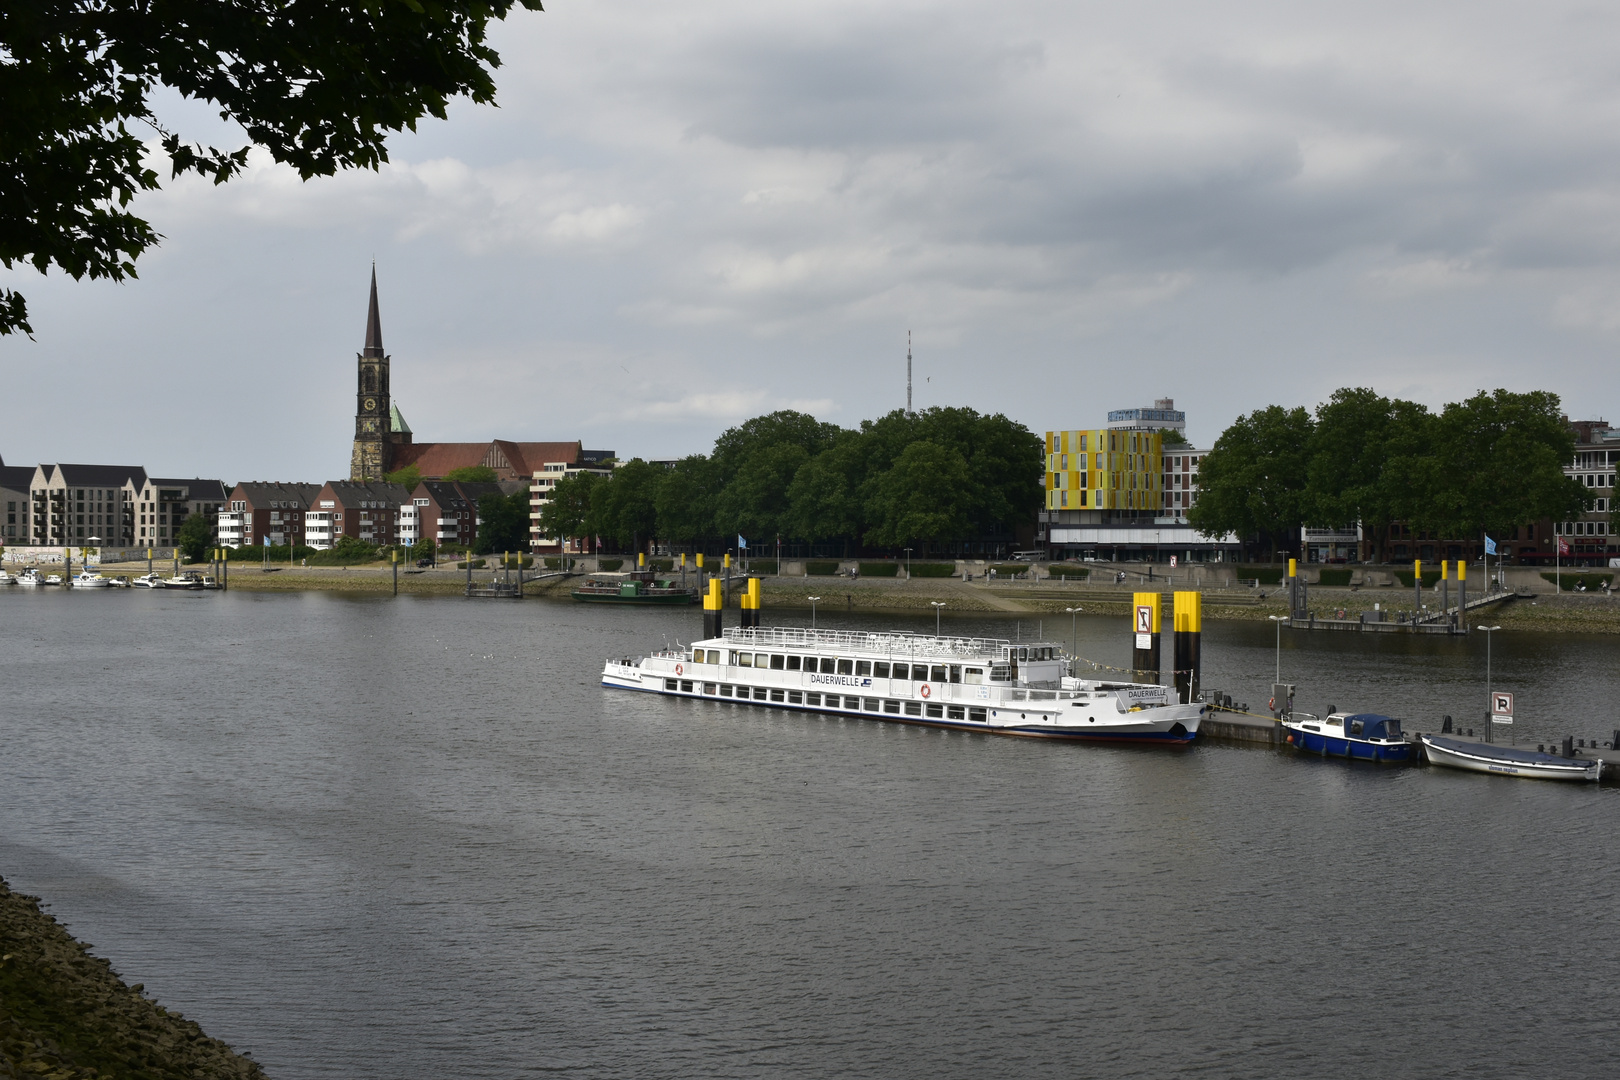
<point>974,684</point>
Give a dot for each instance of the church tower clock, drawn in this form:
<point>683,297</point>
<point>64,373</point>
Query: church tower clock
<point>370,459</point>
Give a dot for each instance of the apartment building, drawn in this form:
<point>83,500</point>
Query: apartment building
<point>599,462</point>
<point>260,511</point>
<point>365,511</point>
<point>446,511</point>
<point>159,506</point>
<point>15,484</point>
<point>84,505</point>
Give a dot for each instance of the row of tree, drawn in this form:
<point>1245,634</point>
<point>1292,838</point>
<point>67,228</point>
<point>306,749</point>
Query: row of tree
<point>1487,465</point>
<point>936,477</point>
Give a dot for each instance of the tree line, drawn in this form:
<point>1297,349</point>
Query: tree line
<point>935,477</point>
<point>1487,465</point>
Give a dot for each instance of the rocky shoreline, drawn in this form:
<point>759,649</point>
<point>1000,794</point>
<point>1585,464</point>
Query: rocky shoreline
<point>66,1015</point>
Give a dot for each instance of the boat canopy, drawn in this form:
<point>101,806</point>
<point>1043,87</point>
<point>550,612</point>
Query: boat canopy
<point>1372,726</point>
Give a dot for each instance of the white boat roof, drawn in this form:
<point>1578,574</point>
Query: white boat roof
<point>887,643</point>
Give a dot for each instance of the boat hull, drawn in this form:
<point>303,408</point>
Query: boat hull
<point>1312,742</point>
<point>677,600</point>
<point>1175,725</point>
<point>1484,758</point>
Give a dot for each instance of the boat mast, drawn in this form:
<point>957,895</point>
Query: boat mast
<point>908,373</point>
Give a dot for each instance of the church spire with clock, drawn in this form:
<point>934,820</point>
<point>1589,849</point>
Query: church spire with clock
<point>372,415</point>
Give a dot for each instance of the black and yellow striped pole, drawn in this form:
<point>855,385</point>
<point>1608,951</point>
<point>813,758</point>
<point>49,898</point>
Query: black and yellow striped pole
<point>1145,631</point>
<point>1445,585</point>
<point>713,612</point>
<point>1188,622</point>
<point>751,604</point>
<point>1462,594</point>
<point>1417,587</point>
<point>725,565</point>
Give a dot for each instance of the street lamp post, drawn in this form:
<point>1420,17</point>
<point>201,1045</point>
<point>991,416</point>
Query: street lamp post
<point>1488,631</point>
<point>908,564</point>
<point>1279,620</point>
<point>813,600</point>
<point>936,605</point>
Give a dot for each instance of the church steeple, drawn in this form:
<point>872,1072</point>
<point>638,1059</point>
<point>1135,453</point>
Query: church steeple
<point>374,346</point>
<point>370,457</point>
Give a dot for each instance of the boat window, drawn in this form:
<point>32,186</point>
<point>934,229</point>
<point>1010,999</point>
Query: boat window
<point>913,708</point>
<point>1000,672</point>
<point>901,671</point>
<point>745,659</point>
<point>846,667</point>
<point>863,667</point>
<point>697,656</point>
<point>956,673</point>
<point>1355,727</point>
<point>812,699</point>
<point>777,661</point>
<point>828,665</point>
<point>881,669</point>
<point>793,663</point>
<point>937,674</point>
<point>973,675</point>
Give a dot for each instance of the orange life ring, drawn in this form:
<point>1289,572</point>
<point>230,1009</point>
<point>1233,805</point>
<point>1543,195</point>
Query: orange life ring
<point>925,691</point>
<point>1272,704</point>
<point>678,669</point>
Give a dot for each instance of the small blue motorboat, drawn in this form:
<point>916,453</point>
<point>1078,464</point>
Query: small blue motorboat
<point>1359,736</point>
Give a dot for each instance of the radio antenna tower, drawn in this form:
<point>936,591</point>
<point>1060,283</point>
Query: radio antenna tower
<point>908,374</point>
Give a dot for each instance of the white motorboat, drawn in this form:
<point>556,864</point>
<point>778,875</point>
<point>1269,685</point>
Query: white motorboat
<point>969,684</point>
<point>85,579</point>
<point>7,578</point>
<point>52,579</point>
<point>148,581</point>
<point>29,577</point>
<point>1508,760</point>
<point>186,580</point>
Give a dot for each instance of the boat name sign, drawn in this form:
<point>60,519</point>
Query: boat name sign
<point>840,680</point>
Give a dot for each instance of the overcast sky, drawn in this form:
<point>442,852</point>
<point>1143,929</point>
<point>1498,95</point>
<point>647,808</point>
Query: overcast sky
<point>685,214</point>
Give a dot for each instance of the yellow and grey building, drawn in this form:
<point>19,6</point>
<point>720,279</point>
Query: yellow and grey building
<point>1104,469</point>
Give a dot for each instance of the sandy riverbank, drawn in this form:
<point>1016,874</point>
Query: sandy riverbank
<point>65,1013</point>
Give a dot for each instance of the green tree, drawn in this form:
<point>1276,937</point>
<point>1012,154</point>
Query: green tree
<point>568,515</point>
<point>824,500</point>
<point>1497,463</point>
<point>1363,451</point>
<point>352,549</point>
<point>320,86</point>
<point>923,496</point>
<point>503,523</point>
<point>741,443</point>
<point>407,478</point>
<point>472,474</point>
<point>1253,480</point>
<point>1172,437</point>
<point>755,502</point>
<point>685,500</point>
<point>194,537</point>
<point>624,505</point>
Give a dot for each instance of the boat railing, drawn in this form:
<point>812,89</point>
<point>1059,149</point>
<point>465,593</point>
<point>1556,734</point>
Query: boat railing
<point>894,642</point>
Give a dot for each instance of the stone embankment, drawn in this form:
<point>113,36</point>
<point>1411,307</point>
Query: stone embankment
<point>66,1015</point>
<point>1541,611</point>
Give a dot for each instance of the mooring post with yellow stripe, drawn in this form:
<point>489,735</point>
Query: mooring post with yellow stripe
<point>712,610</point>
<point>1145,608</point>
<point>1445,587</point>
<point>1462,595</point>
<point>1188,623</point>
<point>1417,587</point>
<point>725,565</point>
<point>751,603</point>
<point>1293,587</point>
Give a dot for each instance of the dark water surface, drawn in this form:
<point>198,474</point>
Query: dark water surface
<point>412,838</point>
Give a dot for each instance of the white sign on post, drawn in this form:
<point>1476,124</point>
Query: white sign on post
<point>1144,619</point>
<point>1501,708</point>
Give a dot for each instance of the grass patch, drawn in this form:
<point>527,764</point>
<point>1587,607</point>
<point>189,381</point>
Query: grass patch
<point>1009,569</point>
<point>1070,573</point>
<point>933,569</point>
<point>1266,575</point>
<point>1567,581</point>
<point>879,569</point>
<point>1336,578</point>
<point>821,569</point>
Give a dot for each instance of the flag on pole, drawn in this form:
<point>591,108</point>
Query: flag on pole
<point>742,545</point>
<point>1563,546</point>
<point>1490,546</point>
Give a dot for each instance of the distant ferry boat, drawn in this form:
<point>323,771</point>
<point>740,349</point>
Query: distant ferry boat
<point>633,587</point>
<point>970,684</point>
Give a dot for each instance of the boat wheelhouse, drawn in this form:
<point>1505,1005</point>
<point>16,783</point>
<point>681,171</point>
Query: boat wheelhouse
<point>1360,736</point>
<point>975,684</point>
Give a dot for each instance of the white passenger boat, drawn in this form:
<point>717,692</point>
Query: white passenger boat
<point>971,684</point>
<point>85,579</point>
<point>29,577</point>
<point>1508,760</point>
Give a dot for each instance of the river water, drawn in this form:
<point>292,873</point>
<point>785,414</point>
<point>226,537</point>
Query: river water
<point>402,838</point>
